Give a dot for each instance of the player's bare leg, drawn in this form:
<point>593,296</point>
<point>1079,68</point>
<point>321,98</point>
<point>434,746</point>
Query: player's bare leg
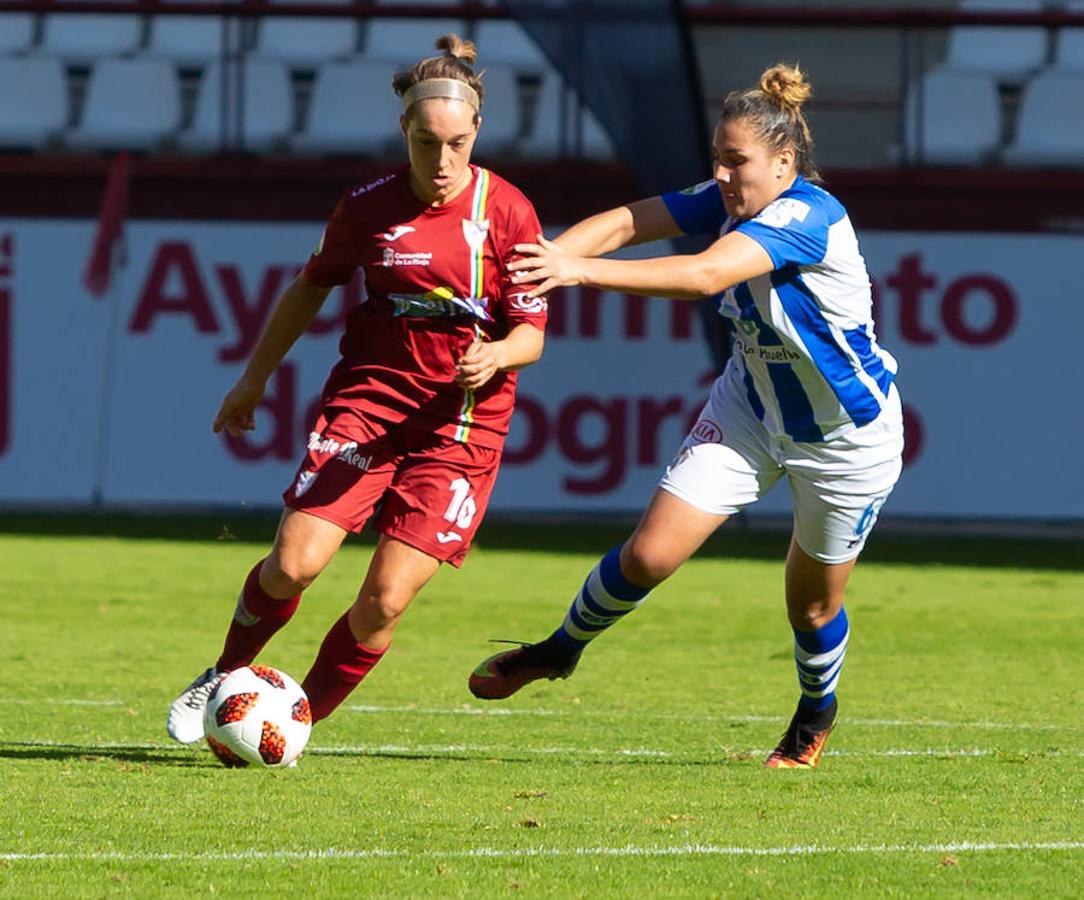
<point>669,532</point>
<point>396,574</point>
<point>357,641</point>
<point>814,591</point>
<point>304,545</point>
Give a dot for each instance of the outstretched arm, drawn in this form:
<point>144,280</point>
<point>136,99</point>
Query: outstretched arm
<point>293,313</point>
<point>731,260</point>
<point>634,223</point>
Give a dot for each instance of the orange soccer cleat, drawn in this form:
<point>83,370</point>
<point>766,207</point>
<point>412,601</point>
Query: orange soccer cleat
<point>803,742</point>
<point>503,674</point>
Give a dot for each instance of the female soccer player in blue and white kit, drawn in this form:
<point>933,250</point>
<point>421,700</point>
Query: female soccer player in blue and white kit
<point>808,393</point>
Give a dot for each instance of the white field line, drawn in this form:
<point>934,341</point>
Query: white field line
<point>487,751</point>
<point>550,852</point>
<point>498,711</point>
<point>698,717</point>
<point>61,701</point>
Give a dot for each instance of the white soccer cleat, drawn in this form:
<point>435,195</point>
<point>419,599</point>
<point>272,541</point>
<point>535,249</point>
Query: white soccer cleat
<point>185,721</point>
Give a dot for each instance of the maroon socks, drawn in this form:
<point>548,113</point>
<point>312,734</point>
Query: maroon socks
<point>341,663</point>
<point>257,617</point>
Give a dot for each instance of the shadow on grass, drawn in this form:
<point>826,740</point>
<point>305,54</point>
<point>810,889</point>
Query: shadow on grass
<point>938,544</point>
<point>139,755</point>
<point>130,753</point>
<point>523,757</point>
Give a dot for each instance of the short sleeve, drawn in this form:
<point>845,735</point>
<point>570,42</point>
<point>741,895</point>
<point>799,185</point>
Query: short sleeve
<point>523,228</point>
<point>793,231</point>
<point>336,255</point>
<point>697,209</point>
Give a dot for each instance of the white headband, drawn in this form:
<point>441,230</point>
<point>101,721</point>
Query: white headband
<point>444,88</point>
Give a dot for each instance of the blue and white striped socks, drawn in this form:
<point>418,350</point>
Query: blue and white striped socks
<point>606,597</point>
<point>819,658</point>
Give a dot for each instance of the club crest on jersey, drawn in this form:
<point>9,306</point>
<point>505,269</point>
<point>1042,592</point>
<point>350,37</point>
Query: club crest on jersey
<point>304,481</point>
<point>475,231</point>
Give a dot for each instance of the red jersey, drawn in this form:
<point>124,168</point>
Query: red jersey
<point>436,279</point>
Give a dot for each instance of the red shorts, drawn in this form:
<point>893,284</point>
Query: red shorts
<point>432,490</point>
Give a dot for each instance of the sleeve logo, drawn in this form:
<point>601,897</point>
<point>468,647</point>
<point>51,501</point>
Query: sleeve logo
<point>782,212</point>
<point>523,303</point>
<point>698,188</point>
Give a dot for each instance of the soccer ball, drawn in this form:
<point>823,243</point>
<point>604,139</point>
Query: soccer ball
<point>257,715</point>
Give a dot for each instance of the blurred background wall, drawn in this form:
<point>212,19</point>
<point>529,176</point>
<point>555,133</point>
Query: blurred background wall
<point>954,133</point>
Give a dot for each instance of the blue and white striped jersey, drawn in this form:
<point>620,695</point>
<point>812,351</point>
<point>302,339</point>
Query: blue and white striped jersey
<point>804,347</point>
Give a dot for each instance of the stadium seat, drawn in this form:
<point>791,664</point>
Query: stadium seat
<point>952,118</point>
<point>544,136</point>
<point>502,113</point>
<point>132,104</point>
<point>405,41</point>
<point>1008,53</point>
<point>33,101</point>
<point>306,42</point>
<point>16,32</point>
<point>189,40</point>
<point>1046,134</point>
<point>81,39</point>
<point>267,108</point>
<point>508,44</point>
<point>1069,42</point>
<point>353,110</point>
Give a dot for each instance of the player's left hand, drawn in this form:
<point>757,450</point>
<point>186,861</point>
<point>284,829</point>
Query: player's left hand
<point>480,363</point>
<point>545,261</point>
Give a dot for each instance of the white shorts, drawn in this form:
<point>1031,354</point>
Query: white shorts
<point>729,460</point>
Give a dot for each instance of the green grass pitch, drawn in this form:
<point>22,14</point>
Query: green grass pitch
<point>957,767</point>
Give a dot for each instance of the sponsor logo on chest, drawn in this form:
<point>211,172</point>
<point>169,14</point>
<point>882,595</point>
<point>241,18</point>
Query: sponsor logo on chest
<point>390,257</point>
<point>776,353</point>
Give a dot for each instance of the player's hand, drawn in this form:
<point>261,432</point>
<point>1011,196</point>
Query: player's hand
<point>480,363</point>
<point>547,263</point>
<point>237,414</point>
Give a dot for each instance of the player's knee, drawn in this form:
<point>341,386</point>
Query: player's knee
<point>812,615</point>
<point>381,607</point>
<point>646,565</point>
<point>286,575</point>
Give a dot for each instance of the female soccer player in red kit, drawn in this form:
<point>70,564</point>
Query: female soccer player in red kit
<point>416,411</point>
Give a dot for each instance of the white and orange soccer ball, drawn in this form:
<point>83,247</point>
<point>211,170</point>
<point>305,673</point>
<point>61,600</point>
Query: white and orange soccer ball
<point>257,715</point>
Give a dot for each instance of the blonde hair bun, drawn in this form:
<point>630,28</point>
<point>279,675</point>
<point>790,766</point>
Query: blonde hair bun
<point>786,85</point>
<point>457,48</point>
